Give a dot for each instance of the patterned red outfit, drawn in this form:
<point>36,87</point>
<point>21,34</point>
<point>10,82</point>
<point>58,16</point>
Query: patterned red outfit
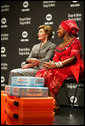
<point>54,77</point>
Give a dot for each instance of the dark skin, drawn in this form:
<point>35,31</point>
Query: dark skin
<point>51,64</point>
<point>66,39</point>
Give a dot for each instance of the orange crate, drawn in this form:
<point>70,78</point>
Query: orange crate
<point>3,107</point>
<point>28,103</point>
<point>30,123</point>
<point>2,92</point>
<point>29,115</point>
<point>13,121</point>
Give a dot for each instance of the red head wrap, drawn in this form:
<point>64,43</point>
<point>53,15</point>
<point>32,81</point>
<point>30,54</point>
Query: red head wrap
<point>70,26</point>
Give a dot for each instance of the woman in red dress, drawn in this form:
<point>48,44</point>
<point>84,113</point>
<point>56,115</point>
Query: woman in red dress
<point>67,60</point>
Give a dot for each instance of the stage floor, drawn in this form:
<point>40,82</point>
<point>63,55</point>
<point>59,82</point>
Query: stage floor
<point>64,118</point>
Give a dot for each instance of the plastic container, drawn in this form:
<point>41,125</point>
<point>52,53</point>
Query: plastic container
<point>3,107</point>
<point>29,117</point>
<point>21,91</point>
<point>30,123</point>
<point>31,104</point>
<point>27,81</point>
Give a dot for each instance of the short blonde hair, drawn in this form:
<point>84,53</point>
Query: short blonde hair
<point>47,29</point>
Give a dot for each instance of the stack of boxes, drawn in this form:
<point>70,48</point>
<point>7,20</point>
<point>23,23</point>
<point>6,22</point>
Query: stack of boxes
<point>28,103</point>
<point>26,87</point>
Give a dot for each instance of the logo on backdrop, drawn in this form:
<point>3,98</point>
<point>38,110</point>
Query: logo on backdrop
<point>75,4</point>
<point>47,4</point>
<point>4,8</point>
<point>24,36</point>
<point>3,52</point>
<point>75,16</point>
<point>25,20</point>
<point>25,6</point>
<point>4,66</point>
<point>71,99</point>
<point>3,23</point>
<point>48,19</point>
<point>71,86</point>
<point>24,51</point>
<point>4,37</point>
<point>2,81</point>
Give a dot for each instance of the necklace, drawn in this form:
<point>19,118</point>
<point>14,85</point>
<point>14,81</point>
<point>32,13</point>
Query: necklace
<point>65,42</point>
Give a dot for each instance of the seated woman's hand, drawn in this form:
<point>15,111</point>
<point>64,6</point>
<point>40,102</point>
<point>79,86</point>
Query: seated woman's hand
<point>49,65</point>
<point>33,60</point>
<point>26,66</point>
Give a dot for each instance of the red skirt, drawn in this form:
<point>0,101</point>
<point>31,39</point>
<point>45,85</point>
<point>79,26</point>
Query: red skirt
<point>54,77</point>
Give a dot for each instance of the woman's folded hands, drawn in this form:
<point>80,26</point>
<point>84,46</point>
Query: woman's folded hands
<point>49,65</point>
<point>31,62</point>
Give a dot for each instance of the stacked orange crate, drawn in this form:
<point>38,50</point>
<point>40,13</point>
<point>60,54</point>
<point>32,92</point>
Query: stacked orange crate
<point>36,109</point>
<point>30,111</point>
<point>3,106</point>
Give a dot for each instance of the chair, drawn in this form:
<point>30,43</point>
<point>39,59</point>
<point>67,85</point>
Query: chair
<point>72,80</point>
